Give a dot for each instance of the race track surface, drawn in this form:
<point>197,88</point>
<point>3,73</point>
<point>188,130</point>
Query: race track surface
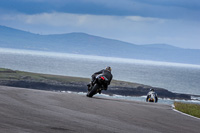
<point>35,111</point>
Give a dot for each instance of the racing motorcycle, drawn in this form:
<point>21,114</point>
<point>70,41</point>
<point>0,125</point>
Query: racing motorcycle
<point>98,85</point>
<point>152,98</point>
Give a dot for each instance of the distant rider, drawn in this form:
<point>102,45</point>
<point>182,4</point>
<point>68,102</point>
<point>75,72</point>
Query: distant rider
<point>152,94</point>
<point>106,72</point>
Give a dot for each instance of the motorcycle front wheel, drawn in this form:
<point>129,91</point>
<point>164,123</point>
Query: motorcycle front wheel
<point>93,91</point>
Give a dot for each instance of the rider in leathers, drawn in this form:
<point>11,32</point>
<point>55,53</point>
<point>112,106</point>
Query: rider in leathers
<point>106,72</point>
<point>152,92</point>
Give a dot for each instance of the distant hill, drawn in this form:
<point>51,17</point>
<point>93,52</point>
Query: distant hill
<point>81,43</point>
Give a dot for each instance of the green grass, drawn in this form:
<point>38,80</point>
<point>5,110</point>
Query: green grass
<point>8,74</point>
<point>188,108</point>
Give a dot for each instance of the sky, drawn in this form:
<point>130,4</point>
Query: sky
<point>173,22</point>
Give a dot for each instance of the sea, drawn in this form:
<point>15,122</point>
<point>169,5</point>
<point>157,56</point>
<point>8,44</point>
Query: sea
<point>175,77</point>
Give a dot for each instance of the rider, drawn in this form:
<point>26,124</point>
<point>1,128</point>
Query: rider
<point>106,72</point>
<point>150,93</point>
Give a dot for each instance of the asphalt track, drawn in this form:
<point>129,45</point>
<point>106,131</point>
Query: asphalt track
<point>35,111</point>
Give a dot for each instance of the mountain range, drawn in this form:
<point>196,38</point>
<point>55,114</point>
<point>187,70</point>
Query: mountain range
<point>82,43</point>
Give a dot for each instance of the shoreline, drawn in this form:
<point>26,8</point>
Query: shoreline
<point>39,81</point>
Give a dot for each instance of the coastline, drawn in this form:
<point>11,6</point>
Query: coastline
<point>48,82</point>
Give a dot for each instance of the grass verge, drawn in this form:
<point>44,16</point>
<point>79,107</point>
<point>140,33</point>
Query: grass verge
<point>188,108</point>
<point>8,74</point>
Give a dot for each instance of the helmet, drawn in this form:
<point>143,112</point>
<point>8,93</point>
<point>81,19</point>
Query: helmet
<point>151,89</point>
<point>108,68</point>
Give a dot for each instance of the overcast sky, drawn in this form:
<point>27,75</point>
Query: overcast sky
<point>174,22</point>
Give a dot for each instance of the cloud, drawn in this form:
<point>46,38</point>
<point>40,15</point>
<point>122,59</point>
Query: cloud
<point>145,19</point>
<point>80,20</point>
<point>52,19</point>
<point>135,21</point>
<point>192,4</point>
<point>166,9</point>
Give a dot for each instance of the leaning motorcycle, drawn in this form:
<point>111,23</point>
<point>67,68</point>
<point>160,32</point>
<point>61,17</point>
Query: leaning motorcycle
<point>98,85</point>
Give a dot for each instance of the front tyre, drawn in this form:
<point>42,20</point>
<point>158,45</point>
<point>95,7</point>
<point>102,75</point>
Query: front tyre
<point>93,91</point>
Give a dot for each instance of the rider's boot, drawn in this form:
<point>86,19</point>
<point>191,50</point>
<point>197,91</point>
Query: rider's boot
<point>90,85</point>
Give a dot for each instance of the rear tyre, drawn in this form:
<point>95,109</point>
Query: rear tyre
<point>93,91</point>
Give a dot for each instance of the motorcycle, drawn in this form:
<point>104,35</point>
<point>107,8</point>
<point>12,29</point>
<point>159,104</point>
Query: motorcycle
<point>152,98</point>
<point>98,85</point>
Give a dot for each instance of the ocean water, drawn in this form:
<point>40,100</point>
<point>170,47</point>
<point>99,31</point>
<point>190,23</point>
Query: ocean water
<point>176,77</point>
